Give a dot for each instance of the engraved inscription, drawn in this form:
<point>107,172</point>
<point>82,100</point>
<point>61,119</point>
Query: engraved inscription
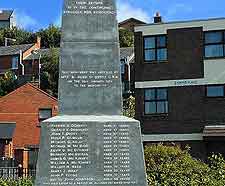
<point>89,8</point>
<point>71,153</point>
<point>90,78</point>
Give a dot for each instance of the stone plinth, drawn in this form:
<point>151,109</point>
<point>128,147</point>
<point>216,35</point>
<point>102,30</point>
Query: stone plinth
<point>91,150</point>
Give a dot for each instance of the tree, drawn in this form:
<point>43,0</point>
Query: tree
<point>129,107</point>
<point>169,165</point>
<point>126,38</point>
<point>50,72</point>
<point>50,37</point>
<point>21,36</point>
<point>7,83</point>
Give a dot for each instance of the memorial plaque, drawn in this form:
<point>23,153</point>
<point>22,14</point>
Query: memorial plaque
<point>90,69</point>
<point>90,143</point>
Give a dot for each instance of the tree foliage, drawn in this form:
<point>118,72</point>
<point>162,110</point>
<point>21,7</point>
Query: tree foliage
<point>8,83</point>
<point>129,107</point>
<point>18,182</point>
<point>126,38</point>
<point>21,36</point>
<point>50,72</point>
<point>167,165</point>
<point>50,37</point>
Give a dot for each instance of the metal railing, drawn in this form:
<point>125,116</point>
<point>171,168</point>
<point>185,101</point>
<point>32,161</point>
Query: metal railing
<point>16,172</point>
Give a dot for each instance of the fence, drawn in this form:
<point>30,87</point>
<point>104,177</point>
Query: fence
<point>16,172</point>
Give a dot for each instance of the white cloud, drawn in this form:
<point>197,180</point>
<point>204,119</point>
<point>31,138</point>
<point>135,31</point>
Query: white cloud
<point>126,10</point>
<point>25,21</point>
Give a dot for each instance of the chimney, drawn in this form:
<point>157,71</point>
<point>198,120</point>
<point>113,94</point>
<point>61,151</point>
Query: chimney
<point>157,18</point>
<point>38,42</point>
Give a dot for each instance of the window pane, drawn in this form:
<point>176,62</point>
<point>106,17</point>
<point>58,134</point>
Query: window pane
<point>150,94</point>
<point>161,94</point>
<point>45,113</point>
<point>161,41</point>
<point>122,66</point>
<point>214,51</point>
<point>162,107</point>
<point>213,37</point>
<point>166,107</point>
<point>149,55</point>
<point>149,42</point>
<point>162,54</point>
<point>15,61</point>
<point>150,107</point>
<point>215,91</point>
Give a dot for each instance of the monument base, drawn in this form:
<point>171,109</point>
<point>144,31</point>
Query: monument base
<point>91,150</point>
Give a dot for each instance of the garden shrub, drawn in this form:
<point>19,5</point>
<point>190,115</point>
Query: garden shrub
<point>18,182</point>
<point>171,166</point>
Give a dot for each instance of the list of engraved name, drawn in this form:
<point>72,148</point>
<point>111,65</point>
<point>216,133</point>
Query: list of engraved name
<point>71,153</point>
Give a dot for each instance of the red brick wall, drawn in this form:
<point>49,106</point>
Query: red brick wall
<point>22,106</point>
<point>5,62</point>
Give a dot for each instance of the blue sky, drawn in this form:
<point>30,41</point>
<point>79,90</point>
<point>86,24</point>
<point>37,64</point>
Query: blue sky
<point>34,15</point>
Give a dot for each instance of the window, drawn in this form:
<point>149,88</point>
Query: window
<point>215,91</point>
<point>214,44</point>
<point>122,66</point>
<point>45,113</point>
<point>15,61</point>
<point>156,101</point>
<point>155,48</point>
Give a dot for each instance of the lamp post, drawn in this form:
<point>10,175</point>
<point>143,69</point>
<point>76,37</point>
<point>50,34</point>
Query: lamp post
<point>8,39</point>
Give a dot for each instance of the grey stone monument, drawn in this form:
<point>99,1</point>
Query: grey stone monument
<point>90,142</point>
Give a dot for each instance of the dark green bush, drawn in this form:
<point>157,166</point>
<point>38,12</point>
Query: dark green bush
<point>171,166</point>
<point>18,182</point>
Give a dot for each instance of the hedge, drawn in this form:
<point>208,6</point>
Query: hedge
<point>171,166</point>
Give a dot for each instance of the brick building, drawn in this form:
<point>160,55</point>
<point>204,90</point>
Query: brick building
<point>20,114</point>
<point>16,58</point>
<point>7,19</point>
<point>179,81</point>
<point>130,23</point>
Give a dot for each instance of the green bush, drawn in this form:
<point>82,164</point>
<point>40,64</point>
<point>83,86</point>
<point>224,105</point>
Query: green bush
<point>18,182</point>
<point>171,166</point>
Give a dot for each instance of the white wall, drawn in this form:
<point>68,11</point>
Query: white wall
<point>155,29</point>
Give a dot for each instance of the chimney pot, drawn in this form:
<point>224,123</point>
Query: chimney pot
<point>157,18</point>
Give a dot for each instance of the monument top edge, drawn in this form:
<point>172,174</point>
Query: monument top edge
<point>89,118</point>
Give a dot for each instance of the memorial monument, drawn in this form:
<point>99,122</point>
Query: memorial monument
<point>90,142</point>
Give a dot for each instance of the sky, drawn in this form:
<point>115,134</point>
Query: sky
<point>33,15</point>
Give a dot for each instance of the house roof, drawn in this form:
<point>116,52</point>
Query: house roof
<point>42,52</point>
<point>131,20</point>
<point>127,52</point>
<point>14,49</point>
<point>7,130</point>
<point>185,21</point>
<point>31,85</point>
<point>124,52</point>
<point>5,15</point>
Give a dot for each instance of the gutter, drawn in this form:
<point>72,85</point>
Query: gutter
<point>21,59</point>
